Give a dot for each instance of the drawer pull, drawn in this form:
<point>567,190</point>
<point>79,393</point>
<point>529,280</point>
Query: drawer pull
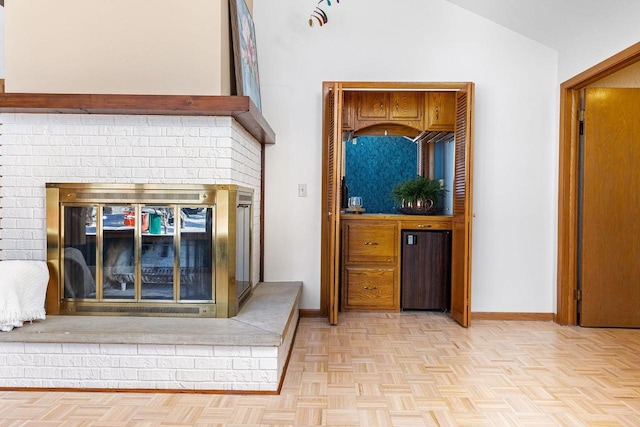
<point>369,288</point>
<point>370,243</point>
<point>424,226</point>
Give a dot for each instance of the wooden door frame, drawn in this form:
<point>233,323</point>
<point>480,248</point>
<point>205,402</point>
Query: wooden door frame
<point>567,273</point>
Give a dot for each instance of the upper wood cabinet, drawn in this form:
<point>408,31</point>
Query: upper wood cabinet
<point>441,111</point>
<point>396,110</point>
<point>406,106</point>
<point>348,107</point>
<point>372,106</point>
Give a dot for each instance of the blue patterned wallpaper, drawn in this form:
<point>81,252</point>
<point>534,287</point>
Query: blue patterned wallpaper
<point>374,165</point>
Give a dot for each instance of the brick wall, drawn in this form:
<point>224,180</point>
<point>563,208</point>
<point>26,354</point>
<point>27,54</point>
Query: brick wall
<point>144,366</point>
<point>40,148</point>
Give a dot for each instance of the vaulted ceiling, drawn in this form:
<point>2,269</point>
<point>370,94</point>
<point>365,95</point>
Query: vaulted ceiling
<point>553,23</point>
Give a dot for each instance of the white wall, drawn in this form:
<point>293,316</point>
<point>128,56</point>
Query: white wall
<point>120,46</point>
<point>516,113</point>
<point>618,30</point>
<point>1,42</point>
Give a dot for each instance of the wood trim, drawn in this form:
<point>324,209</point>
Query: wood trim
<point>240,108</point>
<point>538,317</point>
<point>144,390</point>
<point>263,156</point>
<point>567,209</point>
<point>609,66</point>
<point>545,317</point>
<point>403,86</point>
<point>311,313</point>
<point>568,178</point>
<point>324,220</point>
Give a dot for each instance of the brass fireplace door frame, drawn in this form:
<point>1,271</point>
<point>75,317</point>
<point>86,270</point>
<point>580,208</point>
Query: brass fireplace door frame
<point>221,198</point>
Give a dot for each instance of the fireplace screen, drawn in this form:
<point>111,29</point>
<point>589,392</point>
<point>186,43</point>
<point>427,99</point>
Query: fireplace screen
<point>141,257</point>
<point>114,237</point>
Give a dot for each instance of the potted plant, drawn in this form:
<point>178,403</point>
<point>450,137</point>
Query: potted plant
<point>419,196</point>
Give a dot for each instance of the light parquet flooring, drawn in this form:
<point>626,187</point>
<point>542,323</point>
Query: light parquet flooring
<point>407,369</point>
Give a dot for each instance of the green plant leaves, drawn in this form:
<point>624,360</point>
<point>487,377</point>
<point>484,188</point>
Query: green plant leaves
<point>420,188</point>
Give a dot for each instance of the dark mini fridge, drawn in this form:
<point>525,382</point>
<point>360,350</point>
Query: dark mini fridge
<point>426,270</point>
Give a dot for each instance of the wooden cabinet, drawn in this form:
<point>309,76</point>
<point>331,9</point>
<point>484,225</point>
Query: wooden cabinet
<point>372,106</point>
<point>348,108</point>
<point>370,279</point>
<point>426,270</point>
<point>447,106</point>
<point>441,111</point>
<point>372,268</point>
<point>406,106</point>
<point>371,273</point>
<point>429,110</point>
<point>395,108</point>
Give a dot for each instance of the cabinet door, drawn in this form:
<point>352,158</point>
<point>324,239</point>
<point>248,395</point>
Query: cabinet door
<point>331,174</point>
<point>370,288</point>
<point>373,106</point>
<point>441,111</point>
<point>406,106</point>
<point>371,243</point>
<point>462,210</point>
<point>426,270</point>
<point>348,107</point>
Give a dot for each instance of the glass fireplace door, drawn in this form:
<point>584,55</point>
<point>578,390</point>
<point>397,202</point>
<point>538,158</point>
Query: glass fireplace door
<point>117,245</point>
<point>153,253</point>
<point>196,251</point>
<point>79,252</point>
<point>158,254</point>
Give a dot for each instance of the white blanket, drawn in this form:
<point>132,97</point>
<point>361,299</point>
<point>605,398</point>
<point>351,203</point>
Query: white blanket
<point>23,289</point>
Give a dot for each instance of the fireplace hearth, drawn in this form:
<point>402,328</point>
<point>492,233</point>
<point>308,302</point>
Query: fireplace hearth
<point>148,249</point>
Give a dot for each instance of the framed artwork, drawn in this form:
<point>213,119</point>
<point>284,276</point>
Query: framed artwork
<point>245,55</point>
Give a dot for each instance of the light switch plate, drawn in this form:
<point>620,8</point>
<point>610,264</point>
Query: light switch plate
<point>302,190</point>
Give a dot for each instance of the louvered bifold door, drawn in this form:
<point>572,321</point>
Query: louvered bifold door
<point>332,161</point>
<point>462,210</point>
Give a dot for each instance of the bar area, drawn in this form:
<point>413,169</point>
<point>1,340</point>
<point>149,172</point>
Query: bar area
<point>148,249</point>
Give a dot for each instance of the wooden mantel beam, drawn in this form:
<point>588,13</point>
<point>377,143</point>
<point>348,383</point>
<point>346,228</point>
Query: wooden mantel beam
<point>240,108</point>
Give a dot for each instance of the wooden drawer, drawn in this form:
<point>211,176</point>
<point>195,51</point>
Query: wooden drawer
<point>436,223</point>
<point>370,288</point>
<point>367,242</point>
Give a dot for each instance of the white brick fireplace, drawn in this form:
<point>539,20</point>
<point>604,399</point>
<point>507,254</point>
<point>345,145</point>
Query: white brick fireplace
<point>38,148</point>
<point>81,112</point>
